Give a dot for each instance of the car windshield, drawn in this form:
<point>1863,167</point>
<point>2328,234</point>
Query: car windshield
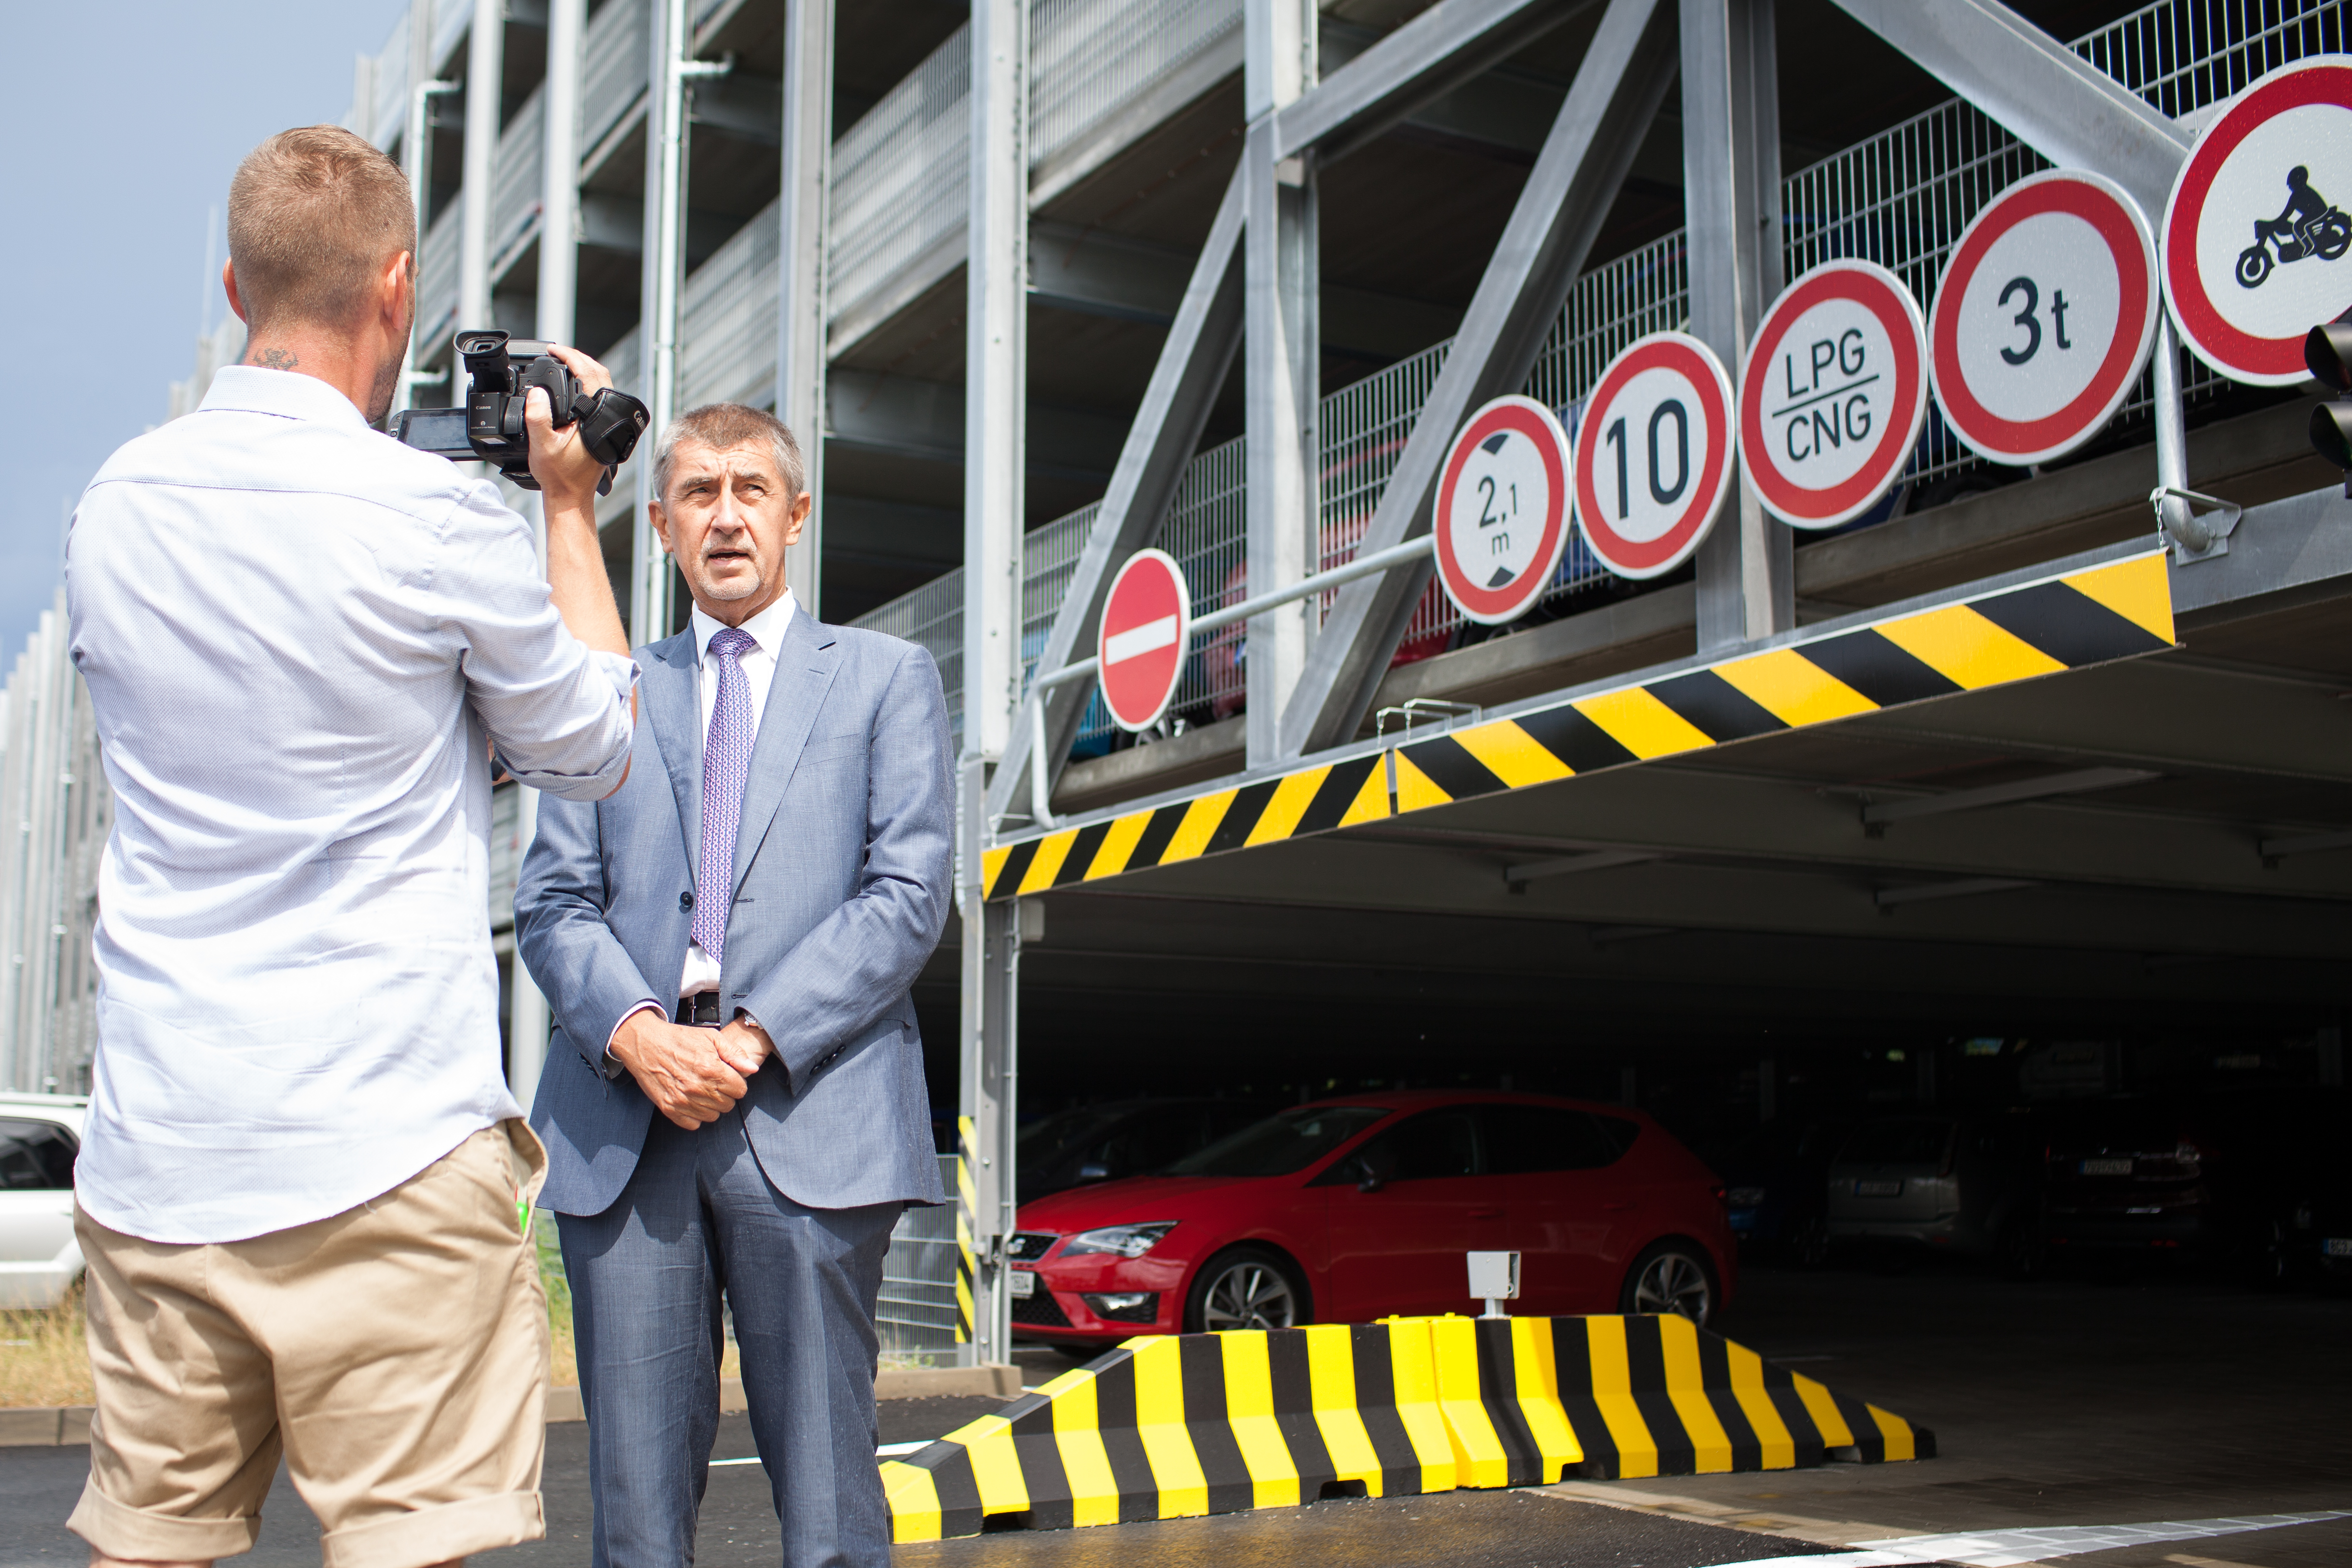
<point>1891,1142</point>
<point>1044,1139</point>
<point>1281,1144</point>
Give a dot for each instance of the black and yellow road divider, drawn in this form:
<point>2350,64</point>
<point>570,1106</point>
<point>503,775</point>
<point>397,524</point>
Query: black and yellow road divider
<point>1179,1426</point>
<point>967,1227</point>
<point>2116,610</point>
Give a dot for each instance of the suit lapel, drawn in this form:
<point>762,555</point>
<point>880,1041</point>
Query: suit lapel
<point>674,704</point>
<point>805,670</point>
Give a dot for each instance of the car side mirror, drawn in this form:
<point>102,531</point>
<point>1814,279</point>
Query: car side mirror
<point>1371,1181</point>
<point>1092,1171</point>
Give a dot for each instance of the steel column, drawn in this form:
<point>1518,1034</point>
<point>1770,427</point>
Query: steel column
<point>1192,363</point>
<point>1623,79</point>
<point>486,55</point>
<point>1281,360</point>
<point>1731,201</point>
<point>988,1073</point>
<point>416,159</point>
<point>802,211</point>
<point>559,208</point>
<point>662,282</point>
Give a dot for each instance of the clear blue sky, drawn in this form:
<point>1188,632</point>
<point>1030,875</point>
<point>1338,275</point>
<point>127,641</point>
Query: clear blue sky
<point>123,120</point>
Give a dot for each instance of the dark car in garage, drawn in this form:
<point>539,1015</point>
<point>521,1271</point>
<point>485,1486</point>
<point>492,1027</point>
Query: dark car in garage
<point>1777,1178</point>
<point>1123,1138</point>
<point>1357,1208</point>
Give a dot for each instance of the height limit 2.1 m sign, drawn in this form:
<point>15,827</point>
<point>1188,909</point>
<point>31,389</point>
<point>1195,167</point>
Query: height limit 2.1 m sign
<point>1835,394</point>
<point>1502,509</point>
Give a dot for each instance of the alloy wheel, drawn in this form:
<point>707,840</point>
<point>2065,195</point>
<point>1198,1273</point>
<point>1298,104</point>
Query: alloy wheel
<point>1673,1282</point>
<point>1249,1295</point>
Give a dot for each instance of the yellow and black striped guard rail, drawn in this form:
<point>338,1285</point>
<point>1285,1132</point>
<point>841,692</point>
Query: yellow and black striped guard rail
<point>1179,1426</point>
<point>2115,610</point>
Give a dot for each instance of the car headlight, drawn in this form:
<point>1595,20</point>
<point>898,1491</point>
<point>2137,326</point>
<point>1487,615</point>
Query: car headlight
<point>1126,1241</point>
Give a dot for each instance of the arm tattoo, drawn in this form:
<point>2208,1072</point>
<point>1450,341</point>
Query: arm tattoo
<point>273,360</point>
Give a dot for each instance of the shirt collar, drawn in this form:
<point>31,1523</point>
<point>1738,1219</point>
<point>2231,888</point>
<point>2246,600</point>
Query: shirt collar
<point>290,394</point>
<point>767,628</point>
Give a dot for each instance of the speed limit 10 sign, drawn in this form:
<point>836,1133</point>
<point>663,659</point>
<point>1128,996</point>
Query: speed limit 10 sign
<point>1502,509</point>
<point>2044,318</point>
<point>1653,454</point>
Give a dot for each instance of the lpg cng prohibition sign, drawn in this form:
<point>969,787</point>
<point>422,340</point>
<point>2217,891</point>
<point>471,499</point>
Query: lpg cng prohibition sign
<point>1835,394</point>
<point>1502,509</point>
<point>1653,454</point>
<point>2044,318</point>
<point>1147,628</point>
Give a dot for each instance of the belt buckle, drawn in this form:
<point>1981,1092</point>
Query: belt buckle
<point>691,1010</point>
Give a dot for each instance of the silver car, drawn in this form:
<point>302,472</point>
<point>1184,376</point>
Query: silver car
<point>39,1259</point>
<point>1954,1184</point>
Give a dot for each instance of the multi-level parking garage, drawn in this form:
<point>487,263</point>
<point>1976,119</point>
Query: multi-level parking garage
<point>1063,280</point>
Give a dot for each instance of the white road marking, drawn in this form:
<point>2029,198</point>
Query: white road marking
<point>1122,646</point>
<point>2008,1548</point>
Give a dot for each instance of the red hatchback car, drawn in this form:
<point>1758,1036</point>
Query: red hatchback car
<point>1352,1209</point>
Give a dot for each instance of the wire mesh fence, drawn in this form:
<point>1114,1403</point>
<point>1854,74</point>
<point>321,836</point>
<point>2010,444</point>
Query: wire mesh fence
<point>917,1311</point>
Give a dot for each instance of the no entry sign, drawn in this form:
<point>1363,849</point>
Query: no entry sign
<point>2043,317</point>
<point>1653,454</point>
<point>2255,242</point>
<point>1147,625</point>
<point>1836,390</point>
<point>1502,509</point>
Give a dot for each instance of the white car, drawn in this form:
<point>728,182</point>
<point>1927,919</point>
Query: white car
<point>39,1258</point>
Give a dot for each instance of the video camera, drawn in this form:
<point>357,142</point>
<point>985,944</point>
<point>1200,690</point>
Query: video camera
<point>488,425</point>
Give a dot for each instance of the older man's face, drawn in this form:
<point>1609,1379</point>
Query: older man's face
<point>727,520</point>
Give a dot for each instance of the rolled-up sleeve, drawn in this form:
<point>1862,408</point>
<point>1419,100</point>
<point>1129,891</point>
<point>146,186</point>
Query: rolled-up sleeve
<point>557,711</point>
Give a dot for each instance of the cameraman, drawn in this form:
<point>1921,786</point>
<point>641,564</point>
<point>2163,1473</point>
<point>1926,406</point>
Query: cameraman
<point>305,1190</point>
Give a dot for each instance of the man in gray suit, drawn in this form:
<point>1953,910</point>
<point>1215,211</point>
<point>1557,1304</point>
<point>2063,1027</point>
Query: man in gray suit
<point>730,941</point>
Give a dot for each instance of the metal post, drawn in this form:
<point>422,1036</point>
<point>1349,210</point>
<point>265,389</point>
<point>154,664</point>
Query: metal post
<point>486,55</point>
<point>2171,434</point>
<point>988,1063</point>
<point>416,158</point>
<point>1280,292</point>
<point>559,222</point>
<point>1731,195</point>
<point>801,306</point>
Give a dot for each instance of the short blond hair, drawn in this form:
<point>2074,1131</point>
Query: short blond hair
<point>314,214</point>
<point>725,425</point>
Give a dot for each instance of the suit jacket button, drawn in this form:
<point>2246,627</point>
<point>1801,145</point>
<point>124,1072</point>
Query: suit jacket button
<point>685,900</point>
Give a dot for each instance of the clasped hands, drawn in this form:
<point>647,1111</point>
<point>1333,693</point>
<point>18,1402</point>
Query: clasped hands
<point>692,1074</point>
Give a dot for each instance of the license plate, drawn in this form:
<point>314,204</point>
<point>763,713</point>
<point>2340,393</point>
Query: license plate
<point>2339,1246</point>
<point>2107,1168</point>
<point>1024,1283</point>
<point>1879,1189</point>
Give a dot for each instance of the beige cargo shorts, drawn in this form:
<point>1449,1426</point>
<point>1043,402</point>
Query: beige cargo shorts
<point>396,1353</point>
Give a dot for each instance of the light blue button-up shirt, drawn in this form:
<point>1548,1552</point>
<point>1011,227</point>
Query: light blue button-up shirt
<point>301,639</point>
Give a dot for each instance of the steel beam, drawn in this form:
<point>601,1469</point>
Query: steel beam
<point>1192,363</point>
<point>995,372</point>
<point>802,212</point>
<point>1623,79</point>
<point>1731,201</point>
<point>1281,360</point>
<point>2048,97</point>
<point>1437,51</point>
<point>988,1078</point>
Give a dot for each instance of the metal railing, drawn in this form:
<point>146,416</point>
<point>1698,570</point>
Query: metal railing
<point>517,189</point>
<point>436,282</point>
<point>614,61</point>
<point>55,800</point>
<point>1092,61</point>
<point>726,350</point>
<point>917,1311</point>
<point>388,116</point>
<point>451,19</point>
<point>900,179</point>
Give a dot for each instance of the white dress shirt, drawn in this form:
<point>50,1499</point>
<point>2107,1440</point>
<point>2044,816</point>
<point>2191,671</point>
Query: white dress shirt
<point>301,639</point>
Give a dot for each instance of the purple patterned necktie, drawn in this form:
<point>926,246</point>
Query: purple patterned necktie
<point>726,762</point>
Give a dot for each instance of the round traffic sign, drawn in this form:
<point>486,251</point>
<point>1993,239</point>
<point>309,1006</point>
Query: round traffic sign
<point>1835,393</point>
<point>1653,454</point>
<point>1502,509</point>
<point>2256,251</point>
<point>2044,318</point>
<point>1147,626</point>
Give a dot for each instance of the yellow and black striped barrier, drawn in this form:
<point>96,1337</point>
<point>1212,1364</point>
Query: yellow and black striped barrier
<point>967,1227</point>
<point>1177,1425</point>
<point>2118,611</point>
<point>1173,1427</point>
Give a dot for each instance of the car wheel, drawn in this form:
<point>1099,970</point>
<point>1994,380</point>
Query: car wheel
<point>1671,1277</point>
<point>1246,1288</point>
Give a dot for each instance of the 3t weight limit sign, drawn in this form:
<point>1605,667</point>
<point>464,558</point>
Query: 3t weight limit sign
<point>1654,454</point>
<point>1835,394</point>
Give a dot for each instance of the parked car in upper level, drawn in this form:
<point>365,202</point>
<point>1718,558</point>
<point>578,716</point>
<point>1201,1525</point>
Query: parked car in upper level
<point>1123,1138</point>
<point>1967,1185</point>
<point>1363,1207</point>
<point>40,1136</point>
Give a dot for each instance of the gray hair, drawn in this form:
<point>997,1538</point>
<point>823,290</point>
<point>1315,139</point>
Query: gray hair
<point>725,425</point>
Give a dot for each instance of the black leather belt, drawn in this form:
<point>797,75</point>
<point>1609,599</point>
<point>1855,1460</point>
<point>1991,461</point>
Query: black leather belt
<point>702,1007</point>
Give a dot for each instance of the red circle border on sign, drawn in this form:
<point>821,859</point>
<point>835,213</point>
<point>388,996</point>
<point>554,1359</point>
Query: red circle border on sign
<point>1174,578</point>
<point>2274,360</point>
<point>1689,358</point>
<point>1529,418</point>
<point>1892,303</point>
<point>2107,210</point>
